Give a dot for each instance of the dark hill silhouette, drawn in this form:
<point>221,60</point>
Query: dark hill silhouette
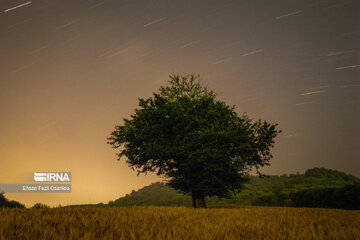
<point>5,203</point>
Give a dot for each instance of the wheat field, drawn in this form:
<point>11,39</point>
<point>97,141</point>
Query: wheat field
<point>179,223</point>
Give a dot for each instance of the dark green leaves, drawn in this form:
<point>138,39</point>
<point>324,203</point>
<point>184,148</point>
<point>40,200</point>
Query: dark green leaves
<point>198,142</point>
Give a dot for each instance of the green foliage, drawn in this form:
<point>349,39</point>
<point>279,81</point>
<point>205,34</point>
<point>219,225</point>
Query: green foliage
<point>347,197</point>
<point>97,205</point>
<point>40,205</point>
<point>156,194</point>
<point>197,142</point>
<point>5,203</point>
<point>284,190</point>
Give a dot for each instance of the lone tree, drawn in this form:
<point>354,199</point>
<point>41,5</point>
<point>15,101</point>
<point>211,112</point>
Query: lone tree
<point>198,143</point>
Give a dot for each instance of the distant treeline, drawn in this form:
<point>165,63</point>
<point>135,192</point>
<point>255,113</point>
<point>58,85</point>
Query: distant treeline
<point>4,202</point>
<point>317,187</point>
<point>347,197</point>
<point>340,191</point>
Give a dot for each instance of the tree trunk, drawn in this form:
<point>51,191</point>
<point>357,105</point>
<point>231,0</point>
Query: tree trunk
<point>198,200</point>
<point>193,199</point>
<point>200,203</point>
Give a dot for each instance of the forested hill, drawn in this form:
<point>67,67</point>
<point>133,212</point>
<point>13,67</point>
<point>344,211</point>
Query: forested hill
<point>4,202</point>
<point>309,189</point>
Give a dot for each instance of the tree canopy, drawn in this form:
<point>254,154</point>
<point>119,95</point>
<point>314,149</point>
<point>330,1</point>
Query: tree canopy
<point>197,142</point>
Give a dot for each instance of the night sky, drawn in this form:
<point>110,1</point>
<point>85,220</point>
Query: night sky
<point>71,70</point>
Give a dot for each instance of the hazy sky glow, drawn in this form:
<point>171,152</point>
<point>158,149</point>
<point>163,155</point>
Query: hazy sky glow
<point>71,70</point>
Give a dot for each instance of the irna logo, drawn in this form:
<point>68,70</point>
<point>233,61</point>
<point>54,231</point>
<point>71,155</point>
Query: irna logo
<point>52,177</point>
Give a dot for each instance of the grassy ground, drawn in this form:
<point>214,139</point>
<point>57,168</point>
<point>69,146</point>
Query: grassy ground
<point>167,223</point>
